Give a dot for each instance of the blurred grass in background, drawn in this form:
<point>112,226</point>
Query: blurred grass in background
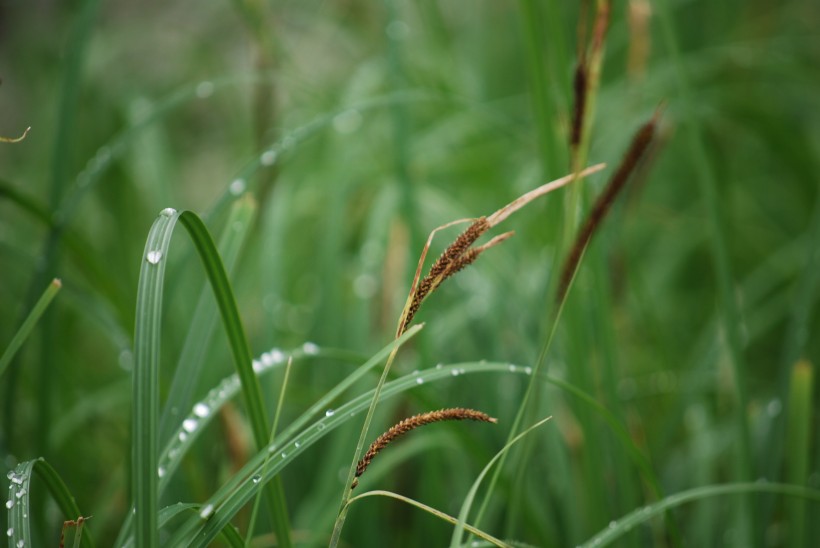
<point>693,307</point>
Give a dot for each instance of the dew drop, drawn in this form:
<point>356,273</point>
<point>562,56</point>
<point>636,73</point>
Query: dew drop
<point>206,511</point>
<point>268,158</point>
<point>284,455</point>
<point>320,426</point>
<point>310,348</point>
<point>17,480</point>
<point>237,187</point>
<point>19,494</point>
<point>257,366</point>
<point>168,212</point>
<point>512,368</point>
<point>189,425</point>
<point>439,366</point>
<point>612,524</point>
<point>297,445</point>
<point>329,413</point>
<point>10,475</point>
<point>277,356</point>
<point>9,504</point>
<point>153,257</point>
<point>256,479</point>
<point>10,531</point>
<point>204,89</point>
<point>21,543</point>
<point>454,372</point>
<point>161,472</point>
<point>419,380</point>
<point>183,436</point>
<point>528,370</point>
<point>201,410</point>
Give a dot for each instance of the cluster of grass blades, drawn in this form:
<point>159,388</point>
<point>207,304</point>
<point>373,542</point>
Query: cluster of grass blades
<point>628,411</point>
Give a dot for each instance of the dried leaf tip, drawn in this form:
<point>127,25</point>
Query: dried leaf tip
<point>411,423</point>
<point>15,139</point>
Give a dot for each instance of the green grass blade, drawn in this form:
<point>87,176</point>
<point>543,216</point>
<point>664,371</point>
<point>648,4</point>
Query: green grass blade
<point>145,418</point>
<point>146,370</point>
<point>28,324</point>
<point>622,526</point>
<point>729,309</point>
<point>203,322</point>
<point>204,411</point>
<point>220,396</point>
<point>243,361</point>
<point>430,510</point>
<point>224,504</point>
<point>798,445</point>
<point>19,507</point>
<point>458,530</point>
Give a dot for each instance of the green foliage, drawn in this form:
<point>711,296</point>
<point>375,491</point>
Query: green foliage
<point>319,143</point>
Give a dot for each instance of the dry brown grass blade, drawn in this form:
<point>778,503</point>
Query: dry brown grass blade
<point>523,200</point>
<point>15,139</point>
<point>411,423</point>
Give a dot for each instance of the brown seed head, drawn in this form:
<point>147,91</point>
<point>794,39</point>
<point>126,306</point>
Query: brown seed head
<point>640,143</point>
<point>411,423</point>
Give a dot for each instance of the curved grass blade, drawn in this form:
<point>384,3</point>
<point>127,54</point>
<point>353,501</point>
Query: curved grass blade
<point>29,323</point>
<point>230,498</point>
<point>458,531</point>
<point>430,510</point>
<point>228,533</point>
<point>729,309</point>
<point>243,360</point>
<point>293,429</point>
<point>18,504</point>
<point>622,526</point>
<point>206,409</point>
<point>204,321</point>
<point>146,370</point>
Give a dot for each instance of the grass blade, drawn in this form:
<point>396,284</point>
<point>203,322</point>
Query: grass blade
<point>203,323</point>
<point>798,445</point>
<point>458,531</point>
<point>729,309</point>
<point>430,510</point>
<point>18,505</point>
<point>622,526</point>
<point>224,504</point>
<point>243,361</point>
<point>28,324</point>
<point>145,418</point>
<point>146,370</point>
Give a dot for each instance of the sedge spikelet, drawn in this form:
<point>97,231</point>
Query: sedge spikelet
<point>441,268</point>
<point>411,423</point>
<point>640,143</point>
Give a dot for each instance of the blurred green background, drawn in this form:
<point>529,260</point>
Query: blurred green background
<point>358,127</point>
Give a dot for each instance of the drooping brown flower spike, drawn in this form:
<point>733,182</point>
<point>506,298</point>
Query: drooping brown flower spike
<point>461,252</point>
<point>411,423</point>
